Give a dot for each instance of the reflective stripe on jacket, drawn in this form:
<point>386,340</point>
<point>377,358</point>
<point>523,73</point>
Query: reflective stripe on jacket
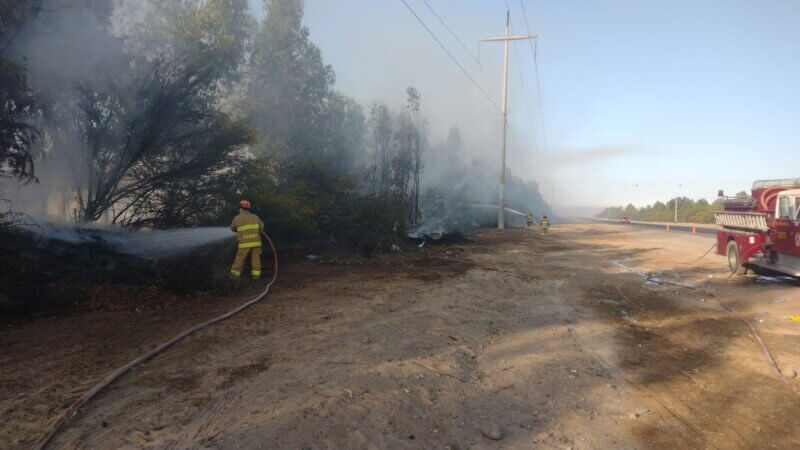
<point>544,223</point>
<point>248,229</point>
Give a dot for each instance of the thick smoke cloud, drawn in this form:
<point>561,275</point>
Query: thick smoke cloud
<point>75,42</point>
<point>68,44</point>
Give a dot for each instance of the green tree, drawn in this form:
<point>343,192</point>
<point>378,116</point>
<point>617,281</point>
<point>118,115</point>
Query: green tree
<point>287,87</point>
<point>215,31</point>
<point>700,211</point>
<point>344,129</point>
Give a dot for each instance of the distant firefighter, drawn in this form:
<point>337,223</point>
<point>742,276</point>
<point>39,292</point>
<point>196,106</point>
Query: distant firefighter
<point>529,218</point>
<point>544,224</point>
<point>248,229</point>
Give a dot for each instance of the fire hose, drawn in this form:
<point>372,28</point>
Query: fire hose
<point>770,359</point>
<point>702,256</point>
<point>73,409</point>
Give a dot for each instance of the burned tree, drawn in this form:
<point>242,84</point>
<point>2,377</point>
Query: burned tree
<point>381,150</point>
<point>135,122</point>
<point>420,126</point>
<point>18,137</point>
<point>395,158</point>
<point>145,145</point>
<point>402,164</point>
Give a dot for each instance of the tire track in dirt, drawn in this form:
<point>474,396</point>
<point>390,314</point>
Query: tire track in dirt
<point>674,421</point>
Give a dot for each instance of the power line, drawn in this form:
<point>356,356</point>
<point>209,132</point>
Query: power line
<point>538,83</point>
<point>521,77</point>
<point>519,68</point>
<point>522,81</point>
<point>450,31</point>
<point>527,26</point>
<point>451,56</point>
<point>541,110</point>
<point>464,46</point>
<point>538,88</point>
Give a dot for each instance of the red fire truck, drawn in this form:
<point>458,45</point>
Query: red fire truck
<point>762,231</point>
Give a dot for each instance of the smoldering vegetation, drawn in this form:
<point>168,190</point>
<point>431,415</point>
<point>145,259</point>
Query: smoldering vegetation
<point>92,268</point>
<point>161,114</point>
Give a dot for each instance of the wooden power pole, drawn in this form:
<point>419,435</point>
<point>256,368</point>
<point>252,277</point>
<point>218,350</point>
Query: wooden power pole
<point>505,39</point>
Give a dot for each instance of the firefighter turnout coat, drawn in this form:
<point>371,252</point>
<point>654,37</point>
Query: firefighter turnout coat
<point>544,224</point>
<point>248,229</point>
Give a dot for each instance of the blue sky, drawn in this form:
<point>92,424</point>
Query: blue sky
<point>698,94</point>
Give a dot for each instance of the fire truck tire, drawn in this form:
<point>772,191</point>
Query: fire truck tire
<point>734,263</point>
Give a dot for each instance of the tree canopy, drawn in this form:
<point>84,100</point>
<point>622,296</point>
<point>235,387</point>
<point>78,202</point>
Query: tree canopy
<point>163,113</point>
<point>691,211</point>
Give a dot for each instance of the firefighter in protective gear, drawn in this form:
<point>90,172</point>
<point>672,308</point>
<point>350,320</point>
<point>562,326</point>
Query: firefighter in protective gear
<point>248,229</point>
<point>544,224</point>
<point>529,218</point>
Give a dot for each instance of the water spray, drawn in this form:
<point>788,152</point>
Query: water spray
<point>141,244</point>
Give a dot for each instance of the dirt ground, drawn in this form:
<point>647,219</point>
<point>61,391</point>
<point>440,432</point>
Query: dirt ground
<point>507,340</point>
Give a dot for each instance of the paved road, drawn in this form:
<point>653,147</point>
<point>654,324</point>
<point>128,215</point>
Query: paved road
<point>683,228</point>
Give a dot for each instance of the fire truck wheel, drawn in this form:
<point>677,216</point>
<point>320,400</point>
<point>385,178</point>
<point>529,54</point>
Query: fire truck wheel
<point>733,258</point>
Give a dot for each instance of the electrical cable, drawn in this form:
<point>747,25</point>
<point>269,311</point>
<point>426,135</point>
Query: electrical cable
<point>464,46</point>
<point>73,408</point>
<point>451,56</point>
<point>449,30</point>
<point>541,109</point>
<point>522,81</point>
<point>534,47</point>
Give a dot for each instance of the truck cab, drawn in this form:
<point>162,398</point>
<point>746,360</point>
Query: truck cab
<point>788,205</point>
<point>786,239</point>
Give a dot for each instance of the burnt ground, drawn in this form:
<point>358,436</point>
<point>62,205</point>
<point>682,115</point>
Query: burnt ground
<point>547,341</point>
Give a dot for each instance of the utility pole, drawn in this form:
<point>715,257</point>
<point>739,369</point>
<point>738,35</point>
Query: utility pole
<point>676,209</point>
<point>505,39</point>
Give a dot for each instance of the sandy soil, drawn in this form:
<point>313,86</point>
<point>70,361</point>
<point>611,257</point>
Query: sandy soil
<point>509,340</point>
